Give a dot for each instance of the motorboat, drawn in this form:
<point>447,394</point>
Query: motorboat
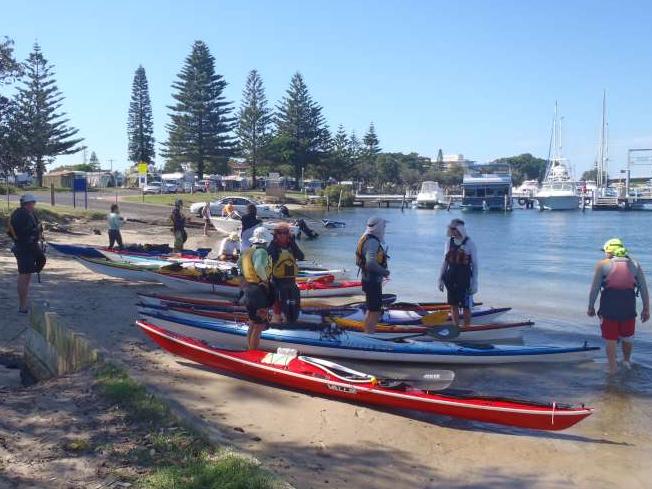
<point>430,196</point>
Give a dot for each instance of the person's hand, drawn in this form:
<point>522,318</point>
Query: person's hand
<point>645,315</point>
<point>441,285</point>
<point>473,290</point>
<point>590,312</point>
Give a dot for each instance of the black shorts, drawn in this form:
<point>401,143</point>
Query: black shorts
<point>373,291</point>
<point>29,260</point>
<point>256,297</point>
<point>459,298</point>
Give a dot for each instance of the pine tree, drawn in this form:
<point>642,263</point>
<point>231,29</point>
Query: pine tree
<point>11,147</point>
<point>200,125</point>
<point>140,125</point>
<point>254,122</point>
<point>45,130</point>
<point>371,142</point>
<point>301,128</point>
<point>94,162</point>
<point>342,155</point>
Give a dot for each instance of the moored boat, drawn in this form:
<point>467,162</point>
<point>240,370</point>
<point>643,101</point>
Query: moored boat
<point>331,380</point>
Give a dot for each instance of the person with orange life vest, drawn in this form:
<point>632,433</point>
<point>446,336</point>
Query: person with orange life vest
<point>26,231</point>
<point>255,272</point>
<point>459,272</point>
<point>285,253</point>
<point>617,279</point>
<point>371,259</point>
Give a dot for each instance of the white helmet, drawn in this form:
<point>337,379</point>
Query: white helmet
<point>261,235</point>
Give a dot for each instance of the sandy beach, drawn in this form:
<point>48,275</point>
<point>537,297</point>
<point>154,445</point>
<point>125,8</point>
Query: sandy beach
<point>318,443</point>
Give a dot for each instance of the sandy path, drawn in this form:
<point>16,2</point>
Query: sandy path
<point>318,443</point>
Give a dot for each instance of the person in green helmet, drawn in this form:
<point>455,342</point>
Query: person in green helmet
<point>617,279</point>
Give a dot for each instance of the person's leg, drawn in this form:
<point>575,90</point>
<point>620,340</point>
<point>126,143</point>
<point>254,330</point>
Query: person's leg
<point>118,238</point>
<point>23,290</point>
<point>370,321</point>
<point>206,224</point>
<point>626,330</point>
<point>111,238</point>
<point>455,314</point>
<point>611,356</point>
<point>253,335</point>
<point>627,351</point>
<point>467,317</point>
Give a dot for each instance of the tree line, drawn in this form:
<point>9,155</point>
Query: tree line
<point>204,129</point>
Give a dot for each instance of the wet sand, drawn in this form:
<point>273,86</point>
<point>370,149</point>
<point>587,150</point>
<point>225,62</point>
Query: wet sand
<point>319,443</point>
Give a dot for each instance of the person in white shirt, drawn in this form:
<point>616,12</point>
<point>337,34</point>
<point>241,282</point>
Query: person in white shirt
<point>115,221</point>
<point>229,248</point>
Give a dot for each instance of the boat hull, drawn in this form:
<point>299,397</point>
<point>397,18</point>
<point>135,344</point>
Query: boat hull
<point>113,270</point>
<point>353,345</point>
<point>558,202</point>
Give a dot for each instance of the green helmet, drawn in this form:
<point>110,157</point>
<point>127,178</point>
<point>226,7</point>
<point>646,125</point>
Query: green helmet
<point>615,247</point>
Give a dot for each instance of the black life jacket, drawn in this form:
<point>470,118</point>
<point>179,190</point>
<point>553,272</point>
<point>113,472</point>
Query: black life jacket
<point>458,266</point>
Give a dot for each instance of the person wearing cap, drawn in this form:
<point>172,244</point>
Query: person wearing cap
<point>285,253</point>
<point>617,279</point>
<point>371,259</point>
<point>459,271</point>
<point>255,272</point>
<point>229,248</point>
<point>178,221</point>
<point>26,231</point>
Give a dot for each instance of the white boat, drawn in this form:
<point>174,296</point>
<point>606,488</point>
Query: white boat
<point>117,270</point>
<point>430,196</point>
<point>227,225</point>
<point>527,189</point>
<point>558,191</point>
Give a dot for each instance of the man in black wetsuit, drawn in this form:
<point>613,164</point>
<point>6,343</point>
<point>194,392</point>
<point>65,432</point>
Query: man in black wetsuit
<point>26,231</point>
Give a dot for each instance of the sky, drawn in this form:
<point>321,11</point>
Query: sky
<point>474,77</point>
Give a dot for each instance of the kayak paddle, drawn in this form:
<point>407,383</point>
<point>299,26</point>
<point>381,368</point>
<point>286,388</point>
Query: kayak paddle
<point>436,380</point>
<point>435,318</point>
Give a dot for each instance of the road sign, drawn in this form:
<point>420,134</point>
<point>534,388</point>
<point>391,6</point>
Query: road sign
<point>142,168</point>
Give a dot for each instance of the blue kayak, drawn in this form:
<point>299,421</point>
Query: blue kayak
<point>360,346</point>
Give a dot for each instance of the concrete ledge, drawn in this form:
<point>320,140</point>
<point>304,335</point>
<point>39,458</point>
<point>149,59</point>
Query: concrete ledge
<point>53,349</point>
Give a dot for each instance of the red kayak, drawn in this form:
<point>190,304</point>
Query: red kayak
<point>331,380</point>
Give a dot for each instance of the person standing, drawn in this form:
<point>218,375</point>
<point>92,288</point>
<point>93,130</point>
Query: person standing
<point>459,272</point>
<point>617,279</point>
<point>115,222</point>
<point>206,215</point>
<point>178,221</point>
<point>285,253</point>
<point>250,222</point>
<point>26,231</point>
<point>255,269</point>
<point>371,259</point>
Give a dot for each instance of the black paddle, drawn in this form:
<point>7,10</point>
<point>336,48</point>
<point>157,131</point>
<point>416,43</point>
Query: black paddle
<point>436,380</point>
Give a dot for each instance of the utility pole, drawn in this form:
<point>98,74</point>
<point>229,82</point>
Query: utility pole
<point>115,180</point>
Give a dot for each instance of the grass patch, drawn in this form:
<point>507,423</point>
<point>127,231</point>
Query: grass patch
<point>169,199</point>
<point>57,213</point>
<point>174,456</point>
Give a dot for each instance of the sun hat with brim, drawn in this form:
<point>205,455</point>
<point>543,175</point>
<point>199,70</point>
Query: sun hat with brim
<point>261,235</point>
<point>26,198</point>
<point>615,247</point>
<point>375,221</point>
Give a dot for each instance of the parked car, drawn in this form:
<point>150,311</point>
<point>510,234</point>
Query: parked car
<point>201,186</point>
<point>152,188</point>
<point>240,204</point>
<point>171,186</point>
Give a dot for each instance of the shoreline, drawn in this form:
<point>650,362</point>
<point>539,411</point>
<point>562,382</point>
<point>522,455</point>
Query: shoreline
<point>319,443</point>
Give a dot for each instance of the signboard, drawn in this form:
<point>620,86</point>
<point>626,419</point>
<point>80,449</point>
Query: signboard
<point>142,168</point>
<point>79,185</point>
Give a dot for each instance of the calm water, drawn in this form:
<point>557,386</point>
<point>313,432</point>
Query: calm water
<point>539,263</point>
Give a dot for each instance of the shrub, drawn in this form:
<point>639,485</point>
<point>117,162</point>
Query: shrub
<point>333,194</point>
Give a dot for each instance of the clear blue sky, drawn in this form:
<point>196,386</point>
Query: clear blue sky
<point>473,77</point>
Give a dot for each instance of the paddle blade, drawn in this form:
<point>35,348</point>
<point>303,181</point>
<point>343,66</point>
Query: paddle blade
<point>435,318</point>
<point>445,332</point>
<point>436,380</point>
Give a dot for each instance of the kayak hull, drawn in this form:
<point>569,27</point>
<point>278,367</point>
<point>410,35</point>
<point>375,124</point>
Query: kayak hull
<point>309,375</point>
<point>103,266</point>
<point>354,345</point>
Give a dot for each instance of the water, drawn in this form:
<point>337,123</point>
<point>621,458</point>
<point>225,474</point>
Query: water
<point>539,263</point>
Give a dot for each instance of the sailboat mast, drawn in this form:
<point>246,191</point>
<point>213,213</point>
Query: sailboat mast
<point>601,177</point>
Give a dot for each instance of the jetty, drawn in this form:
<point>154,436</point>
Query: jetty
<point>383,200</point>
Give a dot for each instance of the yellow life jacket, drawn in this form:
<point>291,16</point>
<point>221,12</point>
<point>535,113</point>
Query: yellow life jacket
<point>286,265</point>
<point>248,268</point>
<point>361,259</point>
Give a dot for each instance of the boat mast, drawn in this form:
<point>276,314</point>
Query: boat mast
<point>602,159</point>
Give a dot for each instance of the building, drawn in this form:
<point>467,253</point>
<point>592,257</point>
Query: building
<point>62,178</point>
<point>449,162</point>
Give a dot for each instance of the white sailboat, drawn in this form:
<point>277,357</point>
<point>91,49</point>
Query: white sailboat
<point>558,191</point>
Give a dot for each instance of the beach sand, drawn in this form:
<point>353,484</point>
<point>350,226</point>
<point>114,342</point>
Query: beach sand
<point>319,443</point>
